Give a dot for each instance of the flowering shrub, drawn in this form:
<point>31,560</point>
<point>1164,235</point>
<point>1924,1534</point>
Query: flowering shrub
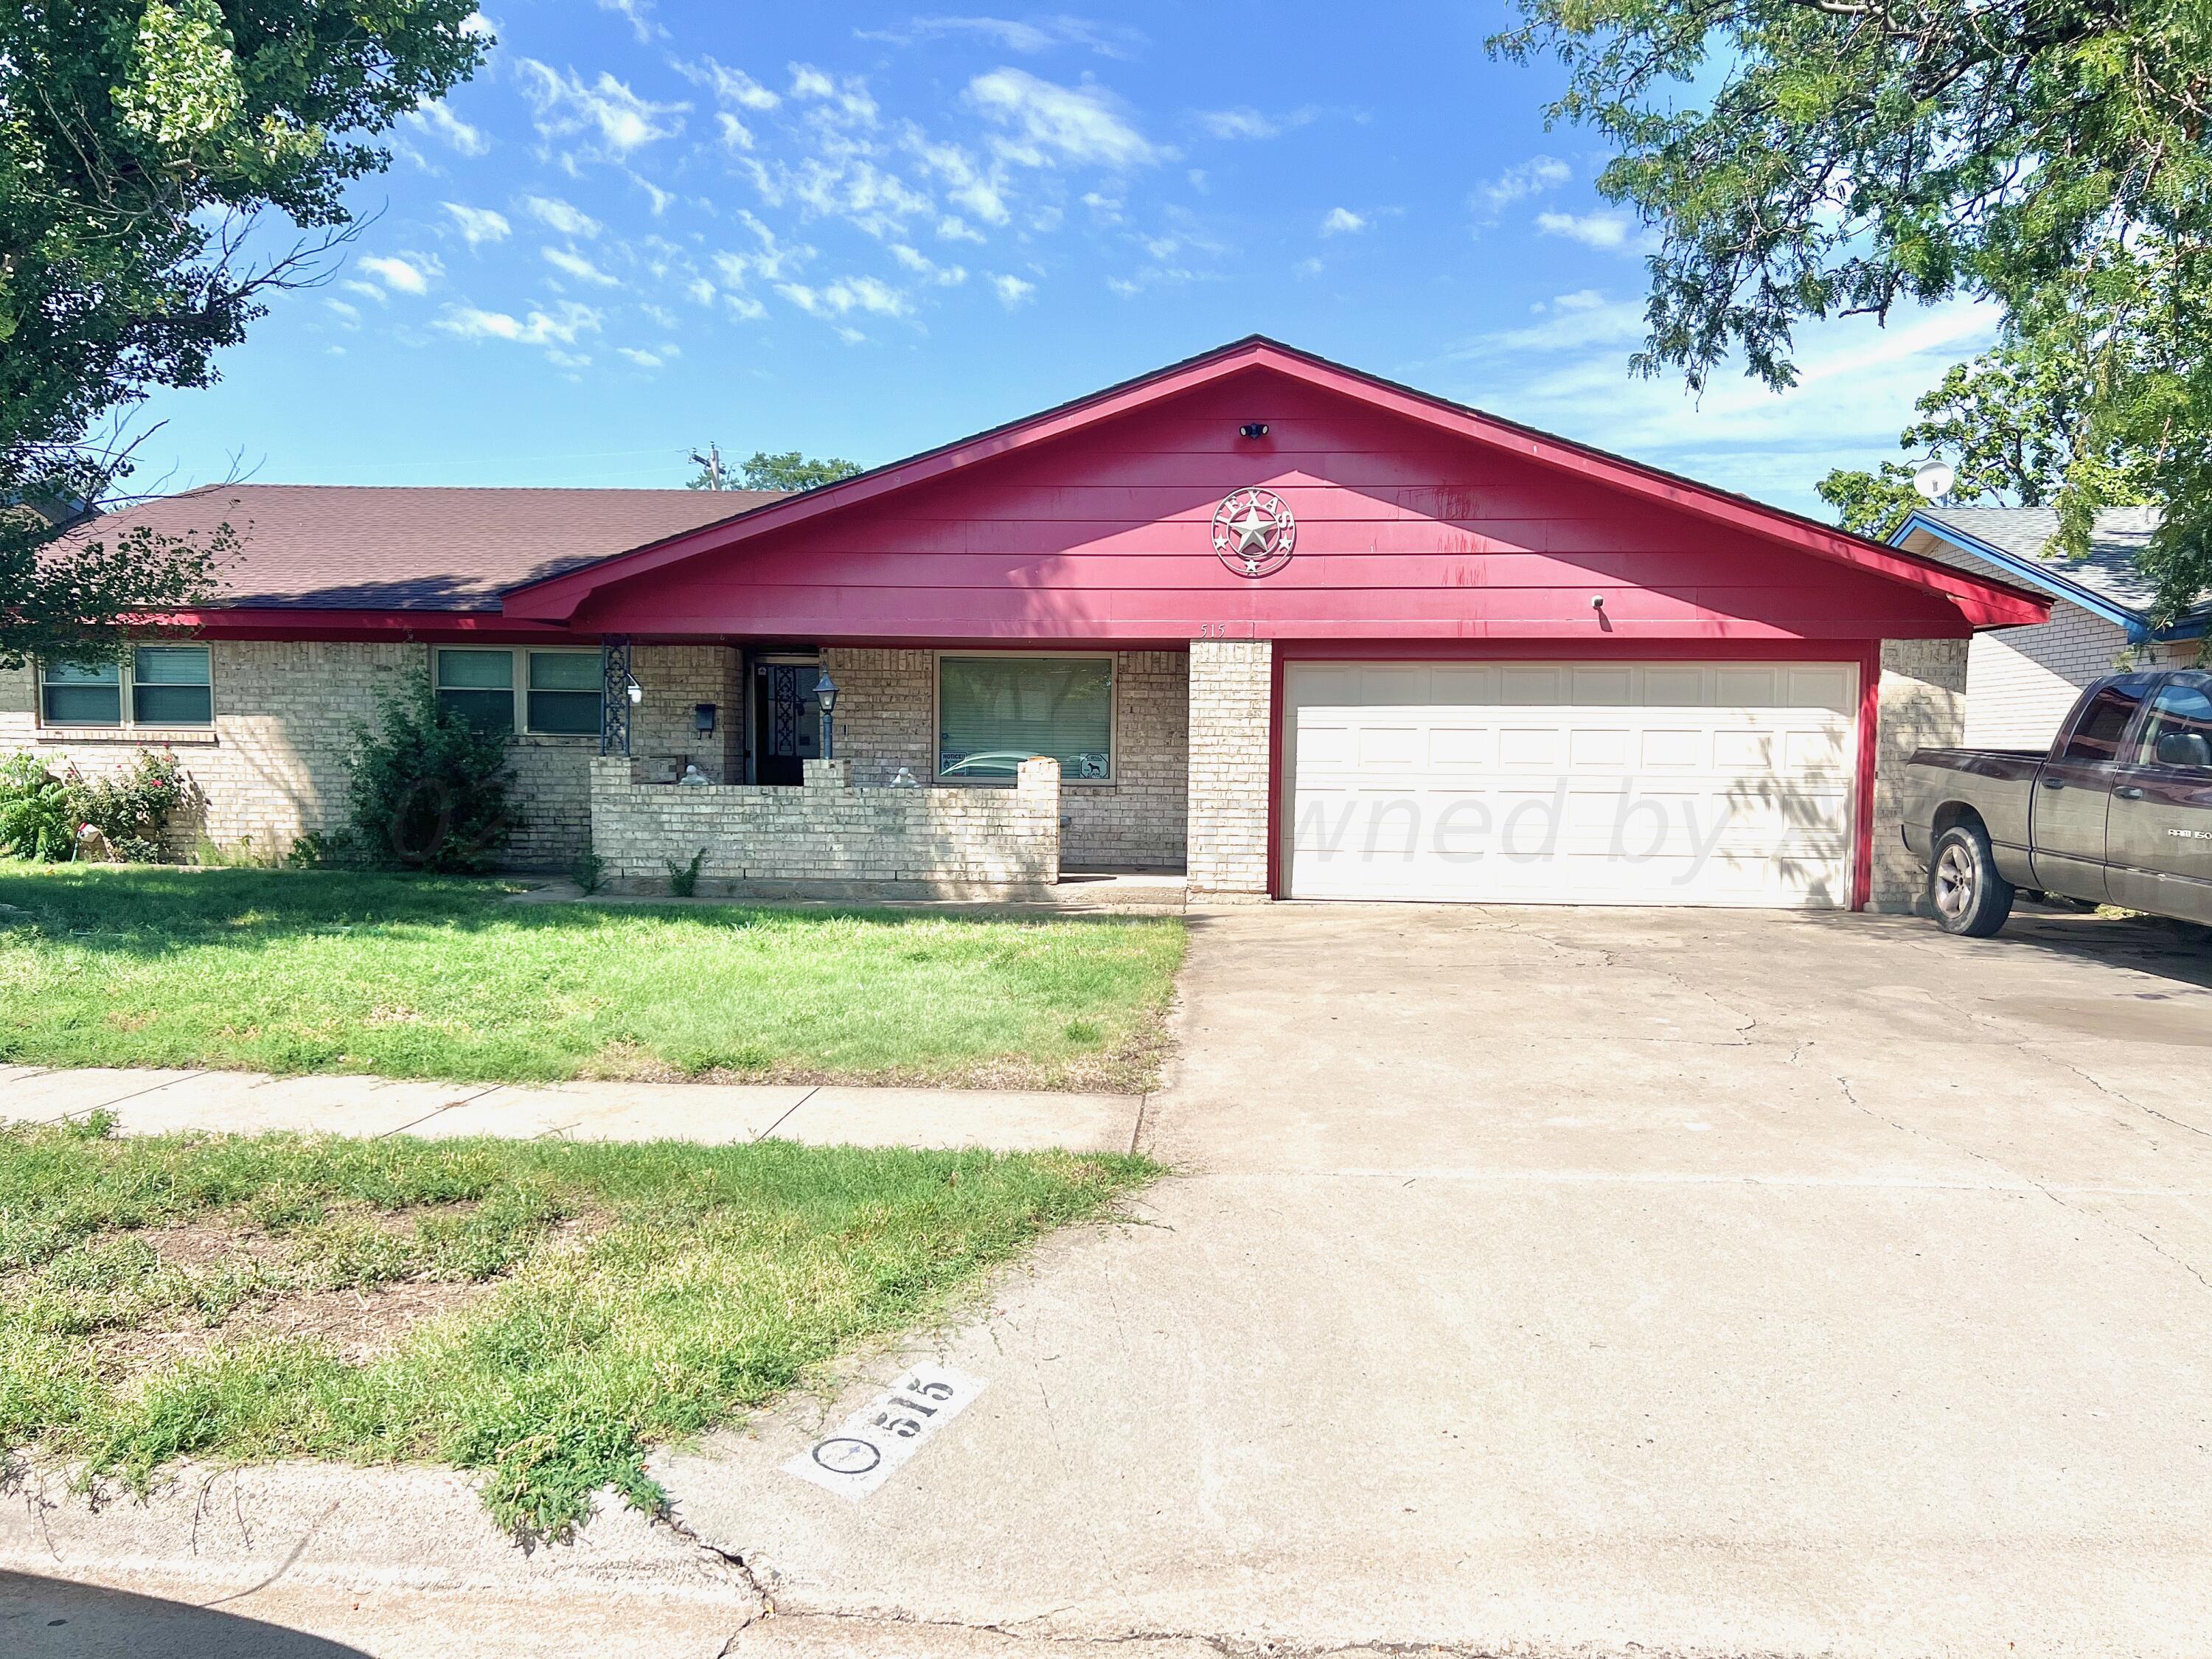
<point>45,815</point>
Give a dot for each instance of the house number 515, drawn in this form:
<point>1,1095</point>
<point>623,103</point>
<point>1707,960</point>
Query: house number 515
<point>1213,630</point>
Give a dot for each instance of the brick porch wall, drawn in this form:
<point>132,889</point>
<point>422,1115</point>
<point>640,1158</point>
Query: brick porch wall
<point>887,701</point>
<point>827,832</point>
<point>1922,705</point>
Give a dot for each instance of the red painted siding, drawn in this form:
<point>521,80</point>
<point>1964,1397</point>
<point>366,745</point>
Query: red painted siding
<point>1404,533</point>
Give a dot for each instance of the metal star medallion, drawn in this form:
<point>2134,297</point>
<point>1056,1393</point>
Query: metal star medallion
<point>1253,531</point>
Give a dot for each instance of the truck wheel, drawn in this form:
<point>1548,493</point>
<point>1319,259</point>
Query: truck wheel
<point>1967,894</point>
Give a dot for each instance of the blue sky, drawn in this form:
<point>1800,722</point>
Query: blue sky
<point>864,230</point>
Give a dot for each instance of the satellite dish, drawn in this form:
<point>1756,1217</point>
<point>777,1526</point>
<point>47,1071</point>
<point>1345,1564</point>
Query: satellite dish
<point>1934,479</point>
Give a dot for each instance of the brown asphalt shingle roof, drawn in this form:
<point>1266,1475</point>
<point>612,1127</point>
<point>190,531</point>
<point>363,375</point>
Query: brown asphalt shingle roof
<point>335,547</point>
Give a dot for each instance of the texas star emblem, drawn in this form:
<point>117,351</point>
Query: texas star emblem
<point>1253,531</point>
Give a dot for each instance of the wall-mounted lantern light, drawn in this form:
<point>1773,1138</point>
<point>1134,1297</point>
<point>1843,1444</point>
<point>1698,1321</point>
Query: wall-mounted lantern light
<point>632,689</point>
<point>703,719</point>
<point>825,693</point>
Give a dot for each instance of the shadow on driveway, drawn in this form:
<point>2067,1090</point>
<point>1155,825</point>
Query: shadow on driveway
<point>47,1618</point>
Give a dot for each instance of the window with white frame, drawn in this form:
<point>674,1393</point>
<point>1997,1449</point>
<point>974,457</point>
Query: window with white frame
<point>996,712</point>
<point>554,693</point>
<point>166,685</point>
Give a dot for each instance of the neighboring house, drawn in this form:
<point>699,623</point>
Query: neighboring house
<point>1302,632</point>
<point>2021,681</point>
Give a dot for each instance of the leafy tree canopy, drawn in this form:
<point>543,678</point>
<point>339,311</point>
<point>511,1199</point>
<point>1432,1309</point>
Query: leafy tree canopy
<point>791,470</point>
<point>140,142</point>
<point>1817,158</point>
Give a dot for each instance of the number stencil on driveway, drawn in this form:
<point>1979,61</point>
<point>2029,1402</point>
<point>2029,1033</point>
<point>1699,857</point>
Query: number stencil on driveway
<point>859,1457</point>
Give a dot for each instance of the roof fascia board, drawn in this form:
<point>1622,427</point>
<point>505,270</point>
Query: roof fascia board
<point>2029,571</point>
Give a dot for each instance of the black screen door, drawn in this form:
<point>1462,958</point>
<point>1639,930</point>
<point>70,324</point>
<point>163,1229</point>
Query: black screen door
<point>786,722</point>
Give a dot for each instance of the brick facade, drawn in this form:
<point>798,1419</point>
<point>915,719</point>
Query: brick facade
<point>273,766</point>
<point>826,833</point>
<point>1232,702</point>
<point>1922,705</point>
<point>886,709</point>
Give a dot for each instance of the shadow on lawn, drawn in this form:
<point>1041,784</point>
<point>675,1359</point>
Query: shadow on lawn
<point>153,910</point>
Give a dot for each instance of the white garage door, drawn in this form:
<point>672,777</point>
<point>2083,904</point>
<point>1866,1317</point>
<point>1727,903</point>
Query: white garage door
<point>1571,783</point>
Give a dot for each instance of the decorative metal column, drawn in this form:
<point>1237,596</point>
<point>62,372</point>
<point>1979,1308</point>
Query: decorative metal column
<point>615,682</point>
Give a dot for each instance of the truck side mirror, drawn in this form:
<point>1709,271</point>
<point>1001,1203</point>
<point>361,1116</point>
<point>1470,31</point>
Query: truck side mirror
<point>2189,749</point>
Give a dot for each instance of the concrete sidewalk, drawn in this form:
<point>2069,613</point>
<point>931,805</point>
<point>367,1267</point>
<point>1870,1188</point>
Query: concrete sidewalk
<point>250,1102</point>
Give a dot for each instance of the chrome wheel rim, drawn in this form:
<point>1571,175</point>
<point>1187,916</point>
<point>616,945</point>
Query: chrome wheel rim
<point>1954,881</point>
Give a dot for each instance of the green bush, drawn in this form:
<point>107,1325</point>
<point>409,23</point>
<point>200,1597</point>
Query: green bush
<point>684,878</point>
<point>43,813</point>
<point>429,790</point>
<point>36,821</point>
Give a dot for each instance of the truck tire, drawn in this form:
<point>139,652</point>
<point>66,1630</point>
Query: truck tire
<point>1967,895</point>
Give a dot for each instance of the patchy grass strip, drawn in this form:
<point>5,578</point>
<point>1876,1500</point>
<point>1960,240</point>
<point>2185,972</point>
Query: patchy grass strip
<point>539,1312</point>
<point>291,971</point>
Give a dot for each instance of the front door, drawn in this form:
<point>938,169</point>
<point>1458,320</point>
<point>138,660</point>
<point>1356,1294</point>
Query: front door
<point>2162,821</point>
<point>2074,793</point>
<point>786,721</point>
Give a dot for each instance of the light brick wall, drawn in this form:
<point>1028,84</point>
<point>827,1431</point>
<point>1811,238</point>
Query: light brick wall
<point>1922,705</point>
<point>886,707</point>
<point>827,831</point>
<point>273,765</point>
<point>663,730</point>
<point>1231,697</point>
<point>2022,682</point>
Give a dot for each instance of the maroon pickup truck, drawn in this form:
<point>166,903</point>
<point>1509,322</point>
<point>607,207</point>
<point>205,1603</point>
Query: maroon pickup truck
<point>2118,812</point>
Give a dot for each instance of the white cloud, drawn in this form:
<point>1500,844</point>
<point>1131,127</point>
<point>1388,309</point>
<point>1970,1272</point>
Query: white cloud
<point>953,229</point>
<point>922,265</point>
<point>578,266</point>
<point>1531,177</point>
<point>729,86</point>
<point>1569,322</point>
<point>349,314</point>
<point>657,199</point>
<point>642,359</point>
<point>1030,36</point>
<point>565,105</point>
<point>1342,221</point>
<point>411,273</point>
<point>775,260</point>
<point>1243,122</point>
<point>735,133</point>
<point>1011,290</point>
<point>1598,230</point>
<point>847,101</point>
<point>638,13</point>
<point>1046,123</point>
<point>968,185</point>
<point>847,294</point>
<point>559,327</point>
<point>441,123</point>
<point>366,290</point>
<point>568,220</point>
<point>478,225</point>
<point>478,24</point>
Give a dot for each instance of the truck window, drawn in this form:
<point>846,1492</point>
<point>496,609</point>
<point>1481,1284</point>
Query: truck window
<point>2179,729</point>
<point>2097,734</point>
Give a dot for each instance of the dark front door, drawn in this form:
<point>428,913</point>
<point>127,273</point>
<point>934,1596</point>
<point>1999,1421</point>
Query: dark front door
<point>786,721</point>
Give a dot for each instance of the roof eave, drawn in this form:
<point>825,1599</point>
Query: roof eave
<point>2036,574</point>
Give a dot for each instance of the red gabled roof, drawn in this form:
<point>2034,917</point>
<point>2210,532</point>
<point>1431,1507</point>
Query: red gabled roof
<point>1983,602</point>
<point>350,548</point>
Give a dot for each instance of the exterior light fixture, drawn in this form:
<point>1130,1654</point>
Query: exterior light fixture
<point>703,719</point>
<point>825,693</point>
<point>632,689</point>
<point>1253,429</point>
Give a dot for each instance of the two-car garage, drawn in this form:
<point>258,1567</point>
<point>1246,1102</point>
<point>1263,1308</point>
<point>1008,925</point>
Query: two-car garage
<point>1661,782</point>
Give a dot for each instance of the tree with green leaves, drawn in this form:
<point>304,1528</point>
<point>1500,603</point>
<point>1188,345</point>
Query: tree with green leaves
<point>148,148</point>
<point>1808,158</point>
<point>2008,424</point>
<point>790,471</point>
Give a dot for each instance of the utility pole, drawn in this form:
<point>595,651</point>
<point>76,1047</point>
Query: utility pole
<point>711,460</point>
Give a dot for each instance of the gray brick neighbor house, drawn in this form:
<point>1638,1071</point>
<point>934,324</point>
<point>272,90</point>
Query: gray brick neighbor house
<point>2020,682</point>
<point>1289,629</point>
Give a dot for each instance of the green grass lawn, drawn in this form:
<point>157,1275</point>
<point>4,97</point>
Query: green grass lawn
<point>540,1312</point>
<point>402,976</point>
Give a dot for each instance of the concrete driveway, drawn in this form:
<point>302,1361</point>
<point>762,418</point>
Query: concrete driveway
<point>1560,1280</point>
